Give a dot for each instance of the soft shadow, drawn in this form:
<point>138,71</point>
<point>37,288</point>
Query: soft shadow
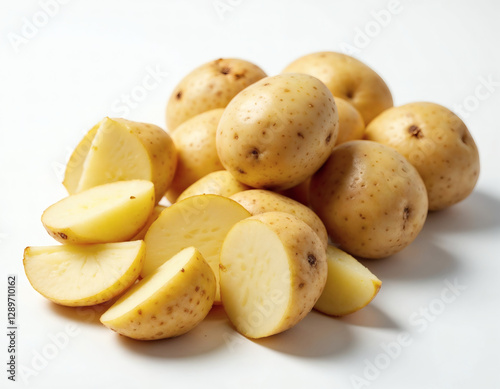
<point>204,338</point>
<point>88,315</point>
<point>315,336</point>
<point>480,211</point>
<point>370,316</point>
<point>420,260</point>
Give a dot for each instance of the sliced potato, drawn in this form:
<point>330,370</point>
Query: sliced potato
<point>111,212</point>
<point>200,221</point>
<point>169,302</point>
<point>83,275</point>
<point>349,286</point>
<point>220,183</point>
<point>118,150</point>
<point>272,272</point>
<point>154,215</point>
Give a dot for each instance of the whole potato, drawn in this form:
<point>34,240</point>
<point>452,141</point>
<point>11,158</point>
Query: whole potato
<point>257,201</point>
<point>348,78</point>
<point>196,152</point>
<point>210,86</point>
<point>437,143</point>
<point>278,131</point>
<point>351,123</point>
<point>221,183</point>
<point>371,199</point>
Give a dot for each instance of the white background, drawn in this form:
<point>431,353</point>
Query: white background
<point>75,68</point>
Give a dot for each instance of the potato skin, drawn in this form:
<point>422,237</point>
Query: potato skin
<point>435,141</point>
<point>371,199</point>
<point>351,123</point>
<point>278,131</point>
<point>210,86</point>
<point>257,201</point>
<point>221,183</point>
<point>347,78</point>
<point>196,152</point>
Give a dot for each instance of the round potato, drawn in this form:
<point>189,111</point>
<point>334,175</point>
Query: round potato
<point>210,86</point>
<point>278,131</point>
<point>257,201</point>
<point>220,183</point>
<point>437,143</point>
<point>196,152</point>
<point>351,123</point>
<point>348,78</point>
<point>371,199</point>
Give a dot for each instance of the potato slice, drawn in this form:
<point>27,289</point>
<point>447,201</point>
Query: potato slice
<point>106,213</point>
<point>118,150</point>
<point>220,183</point>
<point>272,271</point>
<point>349,286</point>
<point>172,300</point>
<point>83,275</point>
<point>200,221</point>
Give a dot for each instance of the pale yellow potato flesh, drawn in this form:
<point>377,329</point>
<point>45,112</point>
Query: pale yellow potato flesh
<point>435,141</point>
<point>170,301</point>
<point>106,213</point>
<point>349,287</point>
<point>347,78</point>
<point>351,123</point>
<point>272,271</point>
<point>220,183</point>
<point>197,155</point>
<point>157,210</point>
<point>83,275</point>
<point>257,201</point>
<point>119,150</point>
<point>209,86</point>
<point>199,221</point>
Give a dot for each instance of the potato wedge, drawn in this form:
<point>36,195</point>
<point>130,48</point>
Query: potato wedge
<point>107,213</point>
<point>349,286</point>
<point>169,302</point>
<point>83,275</point>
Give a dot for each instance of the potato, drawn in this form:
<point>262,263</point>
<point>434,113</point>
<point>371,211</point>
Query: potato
<point>349,286</point>
<point>106,213</point>
<point>220,183</point>
<point>210,86</point>
<point>371,199</point>
<point>437,143</point>
<point>278,131</point>
<point>119,150</point>
<point>299,192</point>
<point>197,155</point>
<point>272,271</point>
<point>257,201</point>
<point>200,221</point>
<point>169,302</point>
<point>157,210</point>
<point>351,123</point>
<point>83,275</point>
<point>348,78</point>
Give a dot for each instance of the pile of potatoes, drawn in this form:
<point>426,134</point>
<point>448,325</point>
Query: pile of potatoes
<point>273,185</point>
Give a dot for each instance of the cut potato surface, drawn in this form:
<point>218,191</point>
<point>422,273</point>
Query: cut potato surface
<point>107,213</point>
<point>157,210</point>
<point>83,275</point>
<point>272,271</point>
<point>169,302</point>
<point>200,221</point>
<point>349,287</point>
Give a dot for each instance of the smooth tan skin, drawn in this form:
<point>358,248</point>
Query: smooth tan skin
<point>196,152</point>
<point>257,201</point>
<point>348,78</point>
<point>220,183</point>
<point>371,199</point>
<point>437,143</point>
<point>351,123</point>
<point>210,86</point>
<point>278,131</point>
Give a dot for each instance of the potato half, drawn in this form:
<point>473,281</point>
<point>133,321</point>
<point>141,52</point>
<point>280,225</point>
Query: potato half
<point>272,271</point>
<point>169,302</point>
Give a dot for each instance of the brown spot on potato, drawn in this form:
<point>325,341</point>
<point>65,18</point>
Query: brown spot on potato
<point>132,197</point>
<point>179,95</point>
<point>301,285</point>
<point>415,131</point>
<point>225,70</point>
<point>62,235</point>
<point>312,260</point>
<point>241,171</point>
<point>300,135</point>
<point>254,153</point>
<point>406,216</point>
<point>328,138</point>
<point>139,311</point>
<point>182,270</point>
<point>222,267</point>
<point>197,289</point>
